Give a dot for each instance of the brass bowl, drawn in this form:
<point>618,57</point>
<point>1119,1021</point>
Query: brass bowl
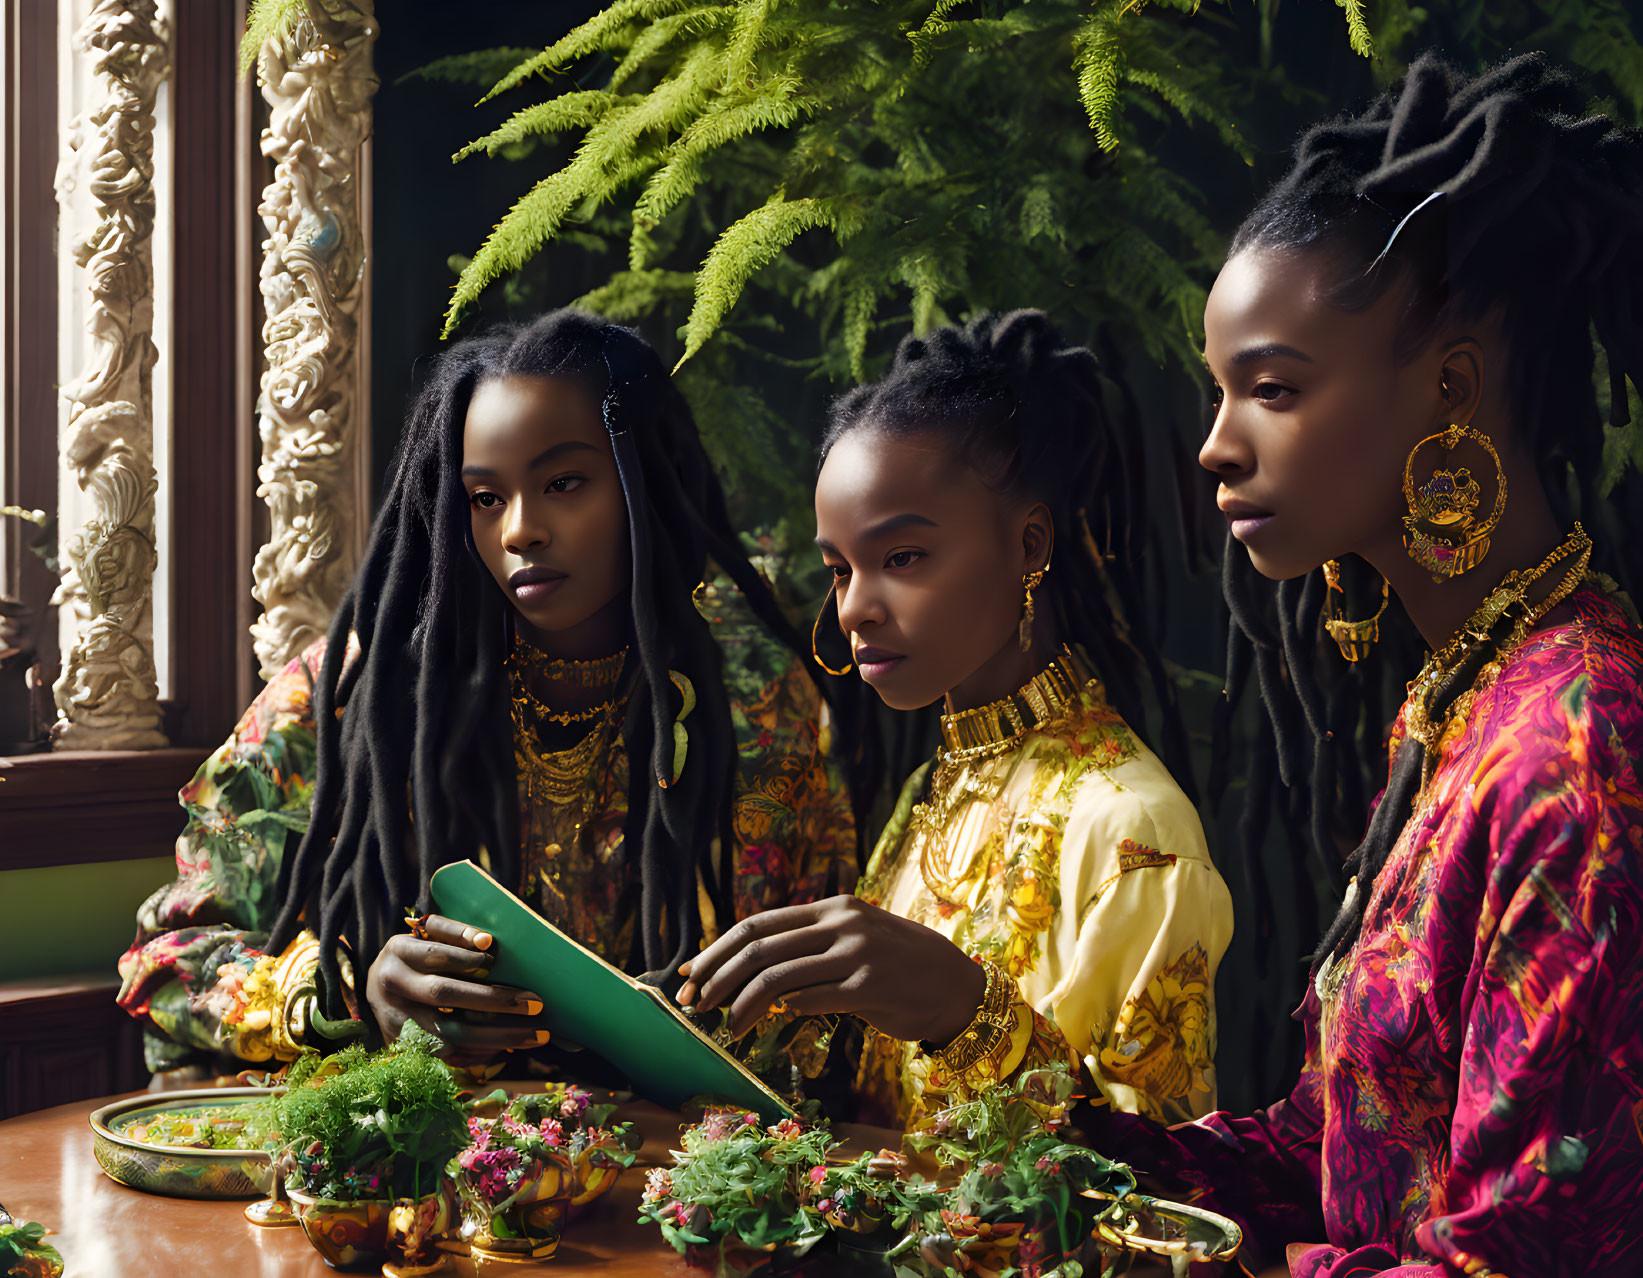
<point>1169,1231</point>
<point>175,1169</point>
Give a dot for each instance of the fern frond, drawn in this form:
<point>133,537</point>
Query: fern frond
<point>749,244</point>
<point>577,110</point>
<point>652,39</point>
<point>632,295</point>
<point>746,37</point>
<point>532,222</point>
<point>1098,58</point>
<point>1189,106</point>
<point>265,20</point>
<point>588,38</point>
<point>479,68</point>
<point>1357,28</point>
<point>774,104</point>
<point>861,301</point>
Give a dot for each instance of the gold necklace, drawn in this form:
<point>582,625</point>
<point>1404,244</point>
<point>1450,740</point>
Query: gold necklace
<point>982,734</point>
<point>1512,593</point>
<point>994,728</point>
<point>598,672</point>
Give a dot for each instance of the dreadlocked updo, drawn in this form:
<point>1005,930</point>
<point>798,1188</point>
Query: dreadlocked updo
<point>1028,411</point>
<point>1494,194</point>
<point>424,754</point>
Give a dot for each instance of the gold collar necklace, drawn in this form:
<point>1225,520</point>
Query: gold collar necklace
<point>997,726</point>
<point>600,672</point>
<point>1511,595</point>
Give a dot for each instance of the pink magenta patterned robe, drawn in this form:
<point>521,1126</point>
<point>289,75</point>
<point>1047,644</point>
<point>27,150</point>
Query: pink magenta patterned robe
<point>1472,1098</point>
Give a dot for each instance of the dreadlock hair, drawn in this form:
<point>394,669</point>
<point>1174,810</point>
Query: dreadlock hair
<point>427,697</point>
<point>1489,194</point>
<point>1028,411</point>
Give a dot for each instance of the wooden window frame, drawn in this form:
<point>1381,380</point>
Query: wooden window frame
<point>67,808</point>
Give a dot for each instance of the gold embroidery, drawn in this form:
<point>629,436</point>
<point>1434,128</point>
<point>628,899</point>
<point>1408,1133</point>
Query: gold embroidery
<point>1133,855</point>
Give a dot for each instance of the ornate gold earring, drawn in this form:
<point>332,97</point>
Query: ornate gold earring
<point>1030,581</point>
<point>1353,638</point>
<point>815,634</point>
<point>1442,535</point>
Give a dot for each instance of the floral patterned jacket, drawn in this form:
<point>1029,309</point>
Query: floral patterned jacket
<point>1077,865</point>
<point>1472,1098</point>
<point>199,978</point>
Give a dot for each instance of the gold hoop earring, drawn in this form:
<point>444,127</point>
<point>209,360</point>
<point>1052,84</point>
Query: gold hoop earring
<point>815,633</point>
<point>1030,581</point>
<point>1441,534</point>
<point>1353,638</point>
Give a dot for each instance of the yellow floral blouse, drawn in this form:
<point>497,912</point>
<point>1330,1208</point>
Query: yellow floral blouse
<point>1069,857</point>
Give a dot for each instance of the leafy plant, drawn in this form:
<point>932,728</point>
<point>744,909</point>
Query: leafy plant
<point>363,1124</point>
<point>24,1253</point>
<point>736,1182</point>
<point>756,123</point>
<point>1017,1165</point>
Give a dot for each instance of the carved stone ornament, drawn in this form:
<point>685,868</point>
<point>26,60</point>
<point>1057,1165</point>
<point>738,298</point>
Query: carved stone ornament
<point>318,83</point>
<point>107,697</point>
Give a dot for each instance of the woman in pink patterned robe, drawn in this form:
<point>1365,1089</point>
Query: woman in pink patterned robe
<point>1472,1096</point>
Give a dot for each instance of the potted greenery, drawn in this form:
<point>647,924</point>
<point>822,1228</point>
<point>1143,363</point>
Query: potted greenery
<point>1027,1197</point>
<point>741,1195</point>
<point>522,1169</point>
<point>367,1137</point>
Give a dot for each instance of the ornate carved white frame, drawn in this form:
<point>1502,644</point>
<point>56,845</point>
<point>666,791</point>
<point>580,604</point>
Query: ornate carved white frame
<point>312,412</point>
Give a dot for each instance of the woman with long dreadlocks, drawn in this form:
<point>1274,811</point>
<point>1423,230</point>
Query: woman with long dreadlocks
<point>529,654</point>
<point>1043,891</point>
<point>1402,340</point>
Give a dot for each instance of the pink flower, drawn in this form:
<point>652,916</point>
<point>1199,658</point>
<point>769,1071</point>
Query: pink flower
<point>514,1127</point>
<point>718,1124</point>
<point>478,1128</point>
<point>825,1206</point>
<point>787,1129</point>
<point>1047,1164</point>
<point>553,1131</point>
<point>818,1174</point>
<point>574,1103</point>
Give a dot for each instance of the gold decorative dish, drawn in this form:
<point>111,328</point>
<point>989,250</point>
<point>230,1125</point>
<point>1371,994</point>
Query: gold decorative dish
<point>179,1170</point>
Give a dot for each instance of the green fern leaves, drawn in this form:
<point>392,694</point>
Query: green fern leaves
<point>751,122</point>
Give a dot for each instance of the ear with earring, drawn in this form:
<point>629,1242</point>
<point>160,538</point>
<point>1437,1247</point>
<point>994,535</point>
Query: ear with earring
<point>1441,533</point>
<point>1030,582</point>
<point>815,635</point>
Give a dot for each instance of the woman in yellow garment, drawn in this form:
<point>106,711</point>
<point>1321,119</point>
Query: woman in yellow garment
<point>1043,891</point>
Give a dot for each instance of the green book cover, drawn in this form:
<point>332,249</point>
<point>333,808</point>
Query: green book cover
<point>586,1000</point>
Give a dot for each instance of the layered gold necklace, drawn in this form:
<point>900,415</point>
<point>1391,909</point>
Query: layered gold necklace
<point>979,736</point>
<point>560,778</point>
<point>1511,595</point>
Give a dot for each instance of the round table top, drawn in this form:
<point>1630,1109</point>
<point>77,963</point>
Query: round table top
<point>48,1174</point>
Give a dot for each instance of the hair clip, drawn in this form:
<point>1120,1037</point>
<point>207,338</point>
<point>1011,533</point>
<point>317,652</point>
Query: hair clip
<point>1398,229</point>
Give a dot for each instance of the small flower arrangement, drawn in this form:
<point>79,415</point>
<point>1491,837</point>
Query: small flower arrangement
<point>1027,1198</point>
<point>740,1192</point>
<point>361,1125</point>
<point>541,1153</point>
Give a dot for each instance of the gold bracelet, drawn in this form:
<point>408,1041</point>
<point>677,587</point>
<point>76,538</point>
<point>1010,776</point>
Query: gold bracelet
<point>992,1025</point>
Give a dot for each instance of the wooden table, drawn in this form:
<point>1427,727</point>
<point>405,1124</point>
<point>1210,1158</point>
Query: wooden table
<point>104,1230</point>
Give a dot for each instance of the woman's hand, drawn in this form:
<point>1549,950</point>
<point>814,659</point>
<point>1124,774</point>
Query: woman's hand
<point>439,982</point>
<point>839,955</point>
